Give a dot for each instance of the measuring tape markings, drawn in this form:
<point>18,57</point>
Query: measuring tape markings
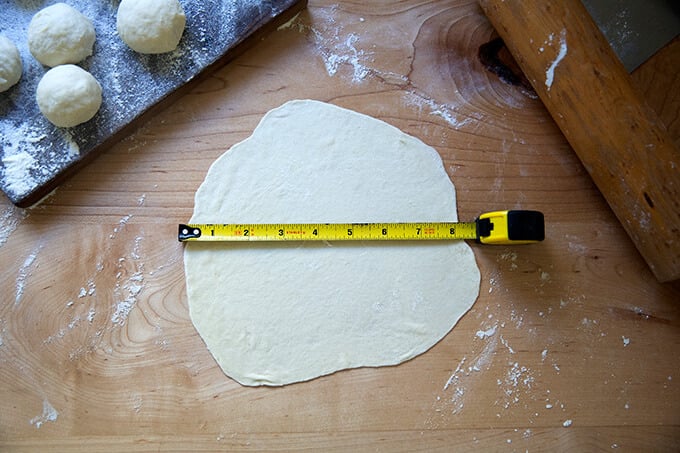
<point>328,231</point>
<point>498,227</point>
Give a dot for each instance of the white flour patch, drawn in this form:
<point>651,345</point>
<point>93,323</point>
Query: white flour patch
<point>454,376</point>
<point>626,341</point>
<point>504,342</point>
<point>456,386</point>
<point>121,224</point>
<point>518,379</point>
<point>336,47</point>
<point>49,414</point>
<point>341,49</point>
<point>10,219</point>
<point>135,250</point>
<point>71,145</point>
<point>89,291</point>
<point>24,272</point>
<point>129,284</point>
<point>456,400</point>
<point>23,170</point>
<point>345,53</point>
<point>18,172</point>
<point>126,295</point>
<point>445,111</point>
<point>550,72</point>
<point>482,334</point>
<point>483,360</point>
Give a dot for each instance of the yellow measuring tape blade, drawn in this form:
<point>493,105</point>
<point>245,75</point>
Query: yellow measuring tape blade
<point>329,231</point>
<point>497,227</point>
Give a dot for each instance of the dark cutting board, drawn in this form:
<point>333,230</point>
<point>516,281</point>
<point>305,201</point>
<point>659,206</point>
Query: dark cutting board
<point>36,156</point>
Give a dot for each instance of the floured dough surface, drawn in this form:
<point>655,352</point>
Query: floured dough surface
<point>150,26</point>
<point>60,34</point>
<point>10,64</point>
<point>68,95</point>
<point>272,313</point>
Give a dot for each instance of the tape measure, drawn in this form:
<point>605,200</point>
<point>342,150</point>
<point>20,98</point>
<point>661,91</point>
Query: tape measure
<point>498,227</point>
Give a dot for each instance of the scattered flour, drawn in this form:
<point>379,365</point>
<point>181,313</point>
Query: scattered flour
<point>18,172</point>
<point>127,292</point>
<point>626,341</point>
<point>482,334</point>
<point>346,53</point>
<point>456,386</point>
<point>89,291</point>
<point>121,223</point>
<point>30,158</point>
<point>517,378</point>
<point>10,219</point>
<point>550,72</point>
<point>445,111</point>
<point>504,342</point>
<point>24,272</point>
<point>335,47</point>
<point>567,423</point>
<point>456,398</point>
<point>49,414</point>
<point>126,295</point>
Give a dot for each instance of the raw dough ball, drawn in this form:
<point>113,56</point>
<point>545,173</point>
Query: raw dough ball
<point>10,64</point>
<point>151,26</point>
<point>68,95</point>
<point>60,34</point>
<point>272,314</point>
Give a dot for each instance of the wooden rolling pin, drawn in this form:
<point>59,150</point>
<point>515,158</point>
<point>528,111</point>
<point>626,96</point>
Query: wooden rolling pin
<point>589,94</point>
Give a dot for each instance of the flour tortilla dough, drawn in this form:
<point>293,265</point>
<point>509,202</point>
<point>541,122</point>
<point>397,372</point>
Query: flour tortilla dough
<point>68,95</point>
<point>150,26</point>
<point>10,64</point>
<point>60,34</point>
<point>274,314</point>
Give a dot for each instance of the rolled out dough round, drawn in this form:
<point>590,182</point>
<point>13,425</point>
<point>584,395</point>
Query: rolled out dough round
<point>272,313</point>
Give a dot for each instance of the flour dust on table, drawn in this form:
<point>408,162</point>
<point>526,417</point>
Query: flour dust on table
<point>274,314</point>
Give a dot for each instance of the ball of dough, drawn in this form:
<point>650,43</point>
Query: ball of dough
<point>10,64</point>
<point>151,26</point>
<point>60,34</point>
<point>68,95</point>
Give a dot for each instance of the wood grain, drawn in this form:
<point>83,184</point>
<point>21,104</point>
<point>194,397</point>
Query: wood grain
<point>583,331</point>
<point>620,140</point>
<point>660,71</point>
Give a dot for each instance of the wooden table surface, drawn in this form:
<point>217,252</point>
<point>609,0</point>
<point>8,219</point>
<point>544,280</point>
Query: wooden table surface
<point>572,344</point>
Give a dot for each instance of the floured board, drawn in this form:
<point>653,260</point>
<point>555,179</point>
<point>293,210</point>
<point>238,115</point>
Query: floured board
<point>36,156</point>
